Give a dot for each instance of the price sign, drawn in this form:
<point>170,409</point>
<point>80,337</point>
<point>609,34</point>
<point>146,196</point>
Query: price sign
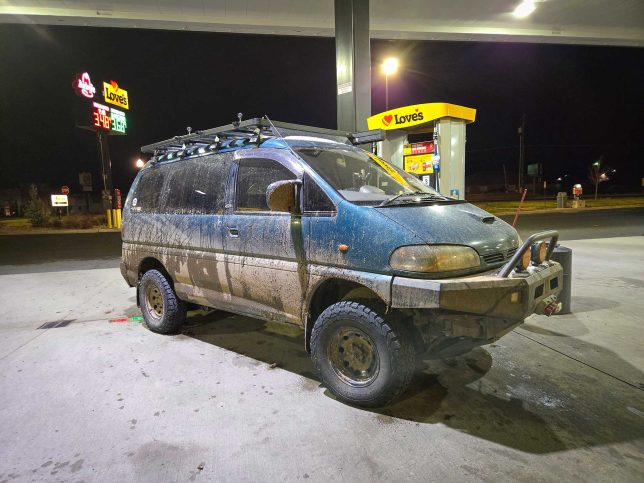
<point>108,119</point>
<point>118,120</point>
<point>101,117</point>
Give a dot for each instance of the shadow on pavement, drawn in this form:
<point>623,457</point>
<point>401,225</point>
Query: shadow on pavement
<point>452,392</point>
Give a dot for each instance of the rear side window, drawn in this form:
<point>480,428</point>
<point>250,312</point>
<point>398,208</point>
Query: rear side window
<point>198,186</point>
<point>253,177</point>
<point>147,198</point>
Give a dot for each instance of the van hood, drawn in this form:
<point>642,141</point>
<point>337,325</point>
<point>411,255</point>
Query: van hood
<point>455,224</point>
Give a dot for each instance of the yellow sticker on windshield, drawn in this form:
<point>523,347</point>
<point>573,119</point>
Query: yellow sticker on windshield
<point>389,169</point>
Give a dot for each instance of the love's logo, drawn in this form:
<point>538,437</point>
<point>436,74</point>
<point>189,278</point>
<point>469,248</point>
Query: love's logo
<point>386,120</point>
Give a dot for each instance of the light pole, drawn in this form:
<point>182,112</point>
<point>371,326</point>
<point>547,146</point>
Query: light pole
<point>596,176</point>
<point>389,67</point>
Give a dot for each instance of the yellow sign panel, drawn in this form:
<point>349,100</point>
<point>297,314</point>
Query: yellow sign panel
<point>59,200</point>
<point>115,95</point>
<point>419,164</point>
<point>408,116</point>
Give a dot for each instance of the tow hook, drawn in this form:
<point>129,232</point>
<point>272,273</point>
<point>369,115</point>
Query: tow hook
<point>549,306</point>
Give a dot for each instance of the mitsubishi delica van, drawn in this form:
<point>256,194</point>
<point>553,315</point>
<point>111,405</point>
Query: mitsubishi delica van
<point>300,225</point>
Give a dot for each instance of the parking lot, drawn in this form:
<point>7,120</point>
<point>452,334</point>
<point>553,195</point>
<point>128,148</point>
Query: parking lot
<point>92,397</point>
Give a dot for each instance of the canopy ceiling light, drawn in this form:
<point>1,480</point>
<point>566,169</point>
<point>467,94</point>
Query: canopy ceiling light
<point>524,9</point>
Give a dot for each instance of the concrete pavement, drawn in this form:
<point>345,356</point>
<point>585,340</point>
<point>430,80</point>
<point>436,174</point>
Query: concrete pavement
<point>558,399</point>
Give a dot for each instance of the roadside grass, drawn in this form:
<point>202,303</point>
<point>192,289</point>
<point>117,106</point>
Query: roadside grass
<point>551,204</point>
<point>15,223</point>
<point>52,223</point>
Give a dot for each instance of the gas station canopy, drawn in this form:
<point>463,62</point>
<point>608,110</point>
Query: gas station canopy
<point>600,22</point>
<point>419,117</point>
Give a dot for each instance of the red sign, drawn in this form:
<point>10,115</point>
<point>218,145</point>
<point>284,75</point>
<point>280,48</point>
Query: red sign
<point>83,85</point>
<point>65,190</point>
<point>426,147</point>
<point>101,117</point>
<point>117,195</point>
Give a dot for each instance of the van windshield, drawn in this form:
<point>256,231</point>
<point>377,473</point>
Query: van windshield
<point>365,179</point>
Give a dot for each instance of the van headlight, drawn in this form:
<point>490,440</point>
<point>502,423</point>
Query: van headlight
<point>434,258</point>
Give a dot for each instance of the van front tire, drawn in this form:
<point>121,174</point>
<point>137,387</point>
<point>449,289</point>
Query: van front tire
<point>162,310</point>
<point>363,359</point>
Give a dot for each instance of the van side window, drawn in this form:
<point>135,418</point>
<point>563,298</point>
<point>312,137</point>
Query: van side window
<point>315,200</point>
<point>149,190</point>
<point>198,186</point>
<point>253,177</point>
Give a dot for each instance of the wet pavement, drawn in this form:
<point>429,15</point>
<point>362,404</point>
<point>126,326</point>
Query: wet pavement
<point>236,399</point>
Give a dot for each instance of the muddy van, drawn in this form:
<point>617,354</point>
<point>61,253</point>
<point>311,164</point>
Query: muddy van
<point>300,225</point>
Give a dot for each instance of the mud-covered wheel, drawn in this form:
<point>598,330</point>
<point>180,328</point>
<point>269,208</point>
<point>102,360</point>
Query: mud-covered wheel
<point>363,358</point>
<point>162,310</point>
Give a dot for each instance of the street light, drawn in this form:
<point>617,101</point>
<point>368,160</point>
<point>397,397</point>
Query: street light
<point>389,67</point>
<point>140,163</point>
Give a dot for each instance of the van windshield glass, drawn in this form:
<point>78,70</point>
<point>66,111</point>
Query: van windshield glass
<point>365,179</point>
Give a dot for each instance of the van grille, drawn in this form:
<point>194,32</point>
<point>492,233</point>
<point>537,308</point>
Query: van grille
<point>493,257</point>
<point>497,257</point>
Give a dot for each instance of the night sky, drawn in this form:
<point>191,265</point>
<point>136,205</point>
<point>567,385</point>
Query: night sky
<point>580,102</point>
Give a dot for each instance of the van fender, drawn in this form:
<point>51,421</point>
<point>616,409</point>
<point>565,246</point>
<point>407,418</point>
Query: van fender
<point>322,277</point>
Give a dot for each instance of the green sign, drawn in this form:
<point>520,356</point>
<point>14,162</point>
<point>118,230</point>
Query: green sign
<point>534,169</point>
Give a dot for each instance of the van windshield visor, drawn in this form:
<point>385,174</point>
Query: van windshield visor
<point>365,179</point>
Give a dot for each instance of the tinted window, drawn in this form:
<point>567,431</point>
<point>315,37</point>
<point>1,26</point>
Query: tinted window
<point>253,178</point>
<point>198,186</point>
<point>314,198</point>
<point>147,198</point>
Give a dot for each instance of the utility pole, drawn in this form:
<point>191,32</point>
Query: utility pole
<point>106,165</point>
<point>521,132</point>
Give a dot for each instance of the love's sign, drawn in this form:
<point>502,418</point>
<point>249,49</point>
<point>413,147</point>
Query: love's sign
<point>408,116</point>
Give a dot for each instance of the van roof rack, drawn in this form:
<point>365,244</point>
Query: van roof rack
<point>256,130</point>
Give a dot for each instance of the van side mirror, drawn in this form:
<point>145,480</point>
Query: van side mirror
<point>280,195</point>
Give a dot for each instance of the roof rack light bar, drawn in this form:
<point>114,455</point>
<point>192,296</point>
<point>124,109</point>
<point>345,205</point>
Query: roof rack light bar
<point>259,126</point>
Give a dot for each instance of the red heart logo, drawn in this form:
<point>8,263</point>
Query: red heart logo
<point>386,120</point>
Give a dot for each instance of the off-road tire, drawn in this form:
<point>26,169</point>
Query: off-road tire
<point>173,310</point>
<point>394,352</point>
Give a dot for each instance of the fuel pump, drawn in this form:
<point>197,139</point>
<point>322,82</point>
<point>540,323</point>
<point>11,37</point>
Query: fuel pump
<point>438,161</point>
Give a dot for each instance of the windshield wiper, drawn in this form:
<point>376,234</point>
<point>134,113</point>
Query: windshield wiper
<point>420,194</point>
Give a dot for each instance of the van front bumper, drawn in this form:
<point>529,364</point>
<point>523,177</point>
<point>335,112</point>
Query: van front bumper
<point>455,315</point>
<point>508,293</point>
<point>514,297</point>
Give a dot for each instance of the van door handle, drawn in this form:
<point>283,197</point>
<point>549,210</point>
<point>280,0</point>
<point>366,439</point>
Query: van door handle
<point>234,232</point>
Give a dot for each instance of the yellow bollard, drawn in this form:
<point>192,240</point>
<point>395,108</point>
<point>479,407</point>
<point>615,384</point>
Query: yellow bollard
<point>108,215</point>
<point>118,218</point>
<point>115,218</point>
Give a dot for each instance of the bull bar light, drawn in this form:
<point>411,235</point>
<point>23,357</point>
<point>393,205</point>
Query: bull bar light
<point>524,261</point>
<point>434,258</point>
<point>539,252</point>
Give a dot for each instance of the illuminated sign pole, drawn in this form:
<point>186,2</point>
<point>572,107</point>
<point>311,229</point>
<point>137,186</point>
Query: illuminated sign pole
<point>104,121</point>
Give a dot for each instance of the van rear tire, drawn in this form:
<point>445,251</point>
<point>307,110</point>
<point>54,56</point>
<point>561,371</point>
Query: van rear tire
<point>361,357</point>
<point>163,312</point>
